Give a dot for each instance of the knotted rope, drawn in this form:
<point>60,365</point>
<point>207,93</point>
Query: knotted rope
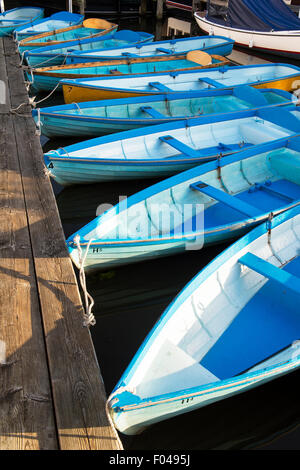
<point>89,319</point>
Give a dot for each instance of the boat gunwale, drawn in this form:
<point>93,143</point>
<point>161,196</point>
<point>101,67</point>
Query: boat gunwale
<point>225,43</point>
<point>132,121</point>
<point>126,61</point>
<point>162,97</point>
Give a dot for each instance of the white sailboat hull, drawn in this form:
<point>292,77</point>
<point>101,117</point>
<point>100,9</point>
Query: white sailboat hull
<point>282,43</point>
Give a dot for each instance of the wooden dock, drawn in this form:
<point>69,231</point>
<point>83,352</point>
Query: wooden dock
<point>51,391</point>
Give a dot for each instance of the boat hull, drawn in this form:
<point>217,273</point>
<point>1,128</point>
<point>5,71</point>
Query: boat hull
<point>66,172</point>
<point>135,420</point>
<point>277,43</point>
<point>101,256</point>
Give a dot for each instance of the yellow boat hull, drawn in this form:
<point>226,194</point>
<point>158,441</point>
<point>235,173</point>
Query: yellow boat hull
<point>287,84</point>
<point>77,93</point>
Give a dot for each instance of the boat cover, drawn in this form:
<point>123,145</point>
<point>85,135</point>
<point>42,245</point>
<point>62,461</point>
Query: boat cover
<point>255,15</point>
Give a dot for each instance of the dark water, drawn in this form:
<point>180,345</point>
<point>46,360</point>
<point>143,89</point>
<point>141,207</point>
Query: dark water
<point>129,300</point>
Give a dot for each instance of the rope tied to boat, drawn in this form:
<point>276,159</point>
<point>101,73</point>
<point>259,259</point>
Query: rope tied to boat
<point>65,56</point>
<point>22,58</point>
<point>89,319</point>
<point>77,105</point>
<point>48,60</point>
<point>46,97</point>
<point>15,110</point>
<point>62,148</point>
<point>269,232</point>
<point>38,123</point>
<point>269,223</point>
<point>28,83</point>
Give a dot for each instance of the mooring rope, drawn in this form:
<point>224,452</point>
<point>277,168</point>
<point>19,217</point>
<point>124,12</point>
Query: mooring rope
<point>46,97</point>
<point>33,104</point>
<point>89,319</point>
<point>79,109</point>
<point>47,60</point>
<point>38,65</point>
<point>110,420</point>
<point>28,83</point>
<point>39,122</point>
<point>15,110</point>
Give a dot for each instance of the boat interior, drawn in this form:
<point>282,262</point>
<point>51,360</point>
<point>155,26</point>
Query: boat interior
<point>124,66</point>
<point>218,77</point>
<point>207,140</point>
<point>239,191</point>
<point>169,108</point>
<point>240,319</point>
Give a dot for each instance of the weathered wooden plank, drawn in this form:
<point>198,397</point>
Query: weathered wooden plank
<point>78,389</point>
<point>26,413</point>
<point>4,95</point>
<point>18,96</point>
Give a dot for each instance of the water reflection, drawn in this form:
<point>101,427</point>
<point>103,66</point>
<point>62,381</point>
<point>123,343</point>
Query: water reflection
<point>130,299</point>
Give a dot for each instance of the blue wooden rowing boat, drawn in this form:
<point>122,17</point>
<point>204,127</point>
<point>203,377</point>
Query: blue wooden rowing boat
<point>47,78</point>
<point>167,149</point>
<point>57,55</point>
<point>282,76</point>
<point>90,28</point>
<point>21,16</point>
<point>207,204</point>
<point>211,44</point>
<point>161,150</point>
<point>95,118</point>
<point>234,327</point>
<point>59,20</point>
